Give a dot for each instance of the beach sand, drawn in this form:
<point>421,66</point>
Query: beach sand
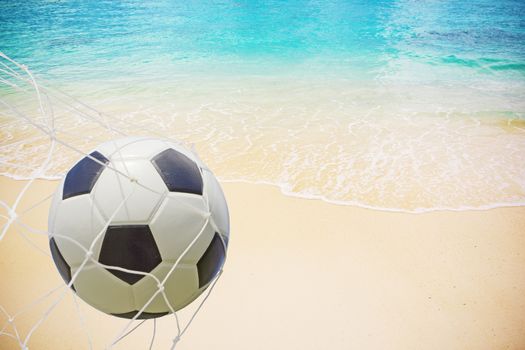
<point>304,274</point>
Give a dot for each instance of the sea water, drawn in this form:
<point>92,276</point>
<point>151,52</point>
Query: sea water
<point>398,105</point>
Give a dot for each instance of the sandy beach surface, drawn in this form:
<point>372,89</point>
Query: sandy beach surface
<point>302,274</point>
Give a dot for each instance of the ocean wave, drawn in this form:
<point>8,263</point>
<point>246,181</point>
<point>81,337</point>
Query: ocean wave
<point>392,143</point>
<point>326,149</point>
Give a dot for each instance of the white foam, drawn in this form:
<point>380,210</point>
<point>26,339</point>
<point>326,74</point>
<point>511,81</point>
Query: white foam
<point>285,190</point>
<point>387,147</point>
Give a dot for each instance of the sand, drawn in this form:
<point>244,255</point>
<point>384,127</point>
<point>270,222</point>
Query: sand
<point>304,274</point>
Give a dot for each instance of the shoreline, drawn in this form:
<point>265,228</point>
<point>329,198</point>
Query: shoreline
<point>377,148</point>
<point>285,192</point>
<point>322,198</point>
<point>346,276</point>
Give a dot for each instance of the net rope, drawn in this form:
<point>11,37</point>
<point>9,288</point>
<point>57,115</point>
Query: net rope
<point>53,105</point>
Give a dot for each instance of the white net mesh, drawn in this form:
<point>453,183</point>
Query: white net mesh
<point>48,125</point>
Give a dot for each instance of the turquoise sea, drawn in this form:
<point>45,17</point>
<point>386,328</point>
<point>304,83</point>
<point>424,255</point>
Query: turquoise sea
<point>398,105</point>
<point>354,39</point>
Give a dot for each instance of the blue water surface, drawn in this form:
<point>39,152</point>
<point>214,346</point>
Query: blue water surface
<point>357,39</point>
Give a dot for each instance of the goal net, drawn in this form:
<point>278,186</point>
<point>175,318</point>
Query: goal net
<point>43,130</point>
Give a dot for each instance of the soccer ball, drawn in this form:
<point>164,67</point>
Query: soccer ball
<point>122,218</point>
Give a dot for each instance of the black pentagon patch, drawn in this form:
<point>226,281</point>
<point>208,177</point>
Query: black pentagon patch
<point>180,173</point>
<point>60,262</point>
<point>143,315</point>
<point>131,247</point>
<point>211,261</point>
<point>82,177</point>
